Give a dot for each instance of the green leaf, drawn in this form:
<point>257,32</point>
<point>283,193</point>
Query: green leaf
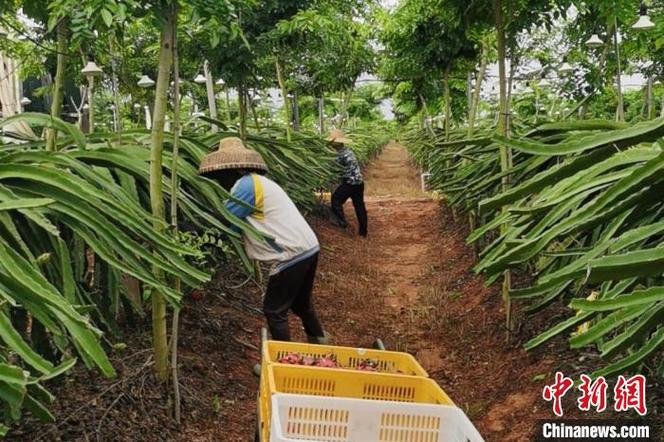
<point>578,125</point>
<point>47,121</point>
<point>26,203</point>
<point>38,409</point>
<point>635,358</point>
<point>647,296</point>
<point>107,17</point>
<point>13,394</point>
<point>647,262</point>
<point>12,375</point>
<point>556,330</point>
<point>33,284</point>
<point>68,284</point>
<point>606,325</point>
<point>59,370</point>
<point>647,131</point>
<point>635,332</point>
<point>15,341</point>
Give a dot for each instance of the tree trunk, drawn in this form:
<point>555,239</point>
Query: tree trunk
<point>448,107</point>
<point>117,116</point>
<point>59,82</point>
<point>252,106</point>
<point>175,188</point>
<point>321,112</point>
<point>620,112</point>
<point>469,93</point>
<point>425,108</point>
<point>484,62</point>
<point>284,95</point>
<point>91,103</point>
<point>649,106</point>
<point>228,106</point>
<point>46,83</point>
<point>212,101</point>
<point>345,105</point>
<point>160,342</point>
<point>502,129</point>
<point>296,113</point>
<point>133,287</point>
<point>514,62</point>
<point>242,104</point>
<point>602,61</point>
<point>148,117</point>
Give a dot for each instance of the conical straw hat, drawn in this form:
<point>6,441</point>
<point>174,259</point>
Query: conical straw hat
<point>338,136</point>
<point>232,154</point>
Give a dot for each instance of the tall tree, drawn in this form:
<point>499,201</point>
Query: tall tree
<point>324,49</point>
<point>426,44</point>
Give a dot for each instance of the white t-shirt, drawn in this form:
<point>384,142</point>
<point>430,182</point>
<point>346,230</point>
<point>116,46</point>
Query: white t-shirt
<point>289,240</point>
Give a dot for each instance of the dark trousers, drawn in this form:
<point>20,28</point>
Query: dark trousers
<point>356,193</point>
<point>291,289</point>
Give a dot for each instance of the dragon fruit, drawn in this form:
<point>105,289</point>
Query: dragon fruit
<point>327,361</point>
<point>368,365</point>
<point>308,361</point>
<point>292,358</point>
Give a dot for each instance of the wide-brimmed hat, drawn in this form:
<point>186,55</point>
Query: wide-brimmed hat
<point>232,154</point>
<point>338,136</point>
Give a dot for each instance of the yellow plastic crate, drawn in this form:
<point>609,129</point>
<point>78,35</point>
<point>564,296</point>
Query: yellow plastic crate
<point>348,358</point>
<point>296,379</point>
<point>314,381</point>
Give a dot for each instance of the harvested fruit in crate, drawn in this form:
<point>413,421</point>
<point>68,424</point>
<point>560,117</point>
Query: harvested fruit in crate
<point>368,365</point>
<point>348,358</point>
<point>327,361</point>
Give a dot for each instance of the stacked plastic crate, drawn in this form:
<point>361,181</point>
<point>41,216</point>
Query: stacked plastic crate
<point>396,402</point>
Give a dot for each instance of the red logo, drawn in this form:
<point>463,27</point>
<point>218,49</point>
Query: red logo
<point>631,393</point>
<point>627,393</point>
<point>593,394</point>
<point>556,391</point>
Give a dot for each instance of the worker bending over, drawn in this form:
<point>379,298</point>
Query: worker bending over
<point>289,245</point>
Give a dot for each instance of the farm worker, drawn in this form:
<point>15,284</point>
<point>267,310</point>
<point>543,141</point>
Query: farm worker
<point>351,186</point>
<point>289,243</point>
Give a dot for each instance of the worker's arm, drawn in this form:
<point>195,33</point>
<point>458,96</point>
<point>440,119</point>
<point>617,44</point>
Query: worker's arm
<point>243,191</point>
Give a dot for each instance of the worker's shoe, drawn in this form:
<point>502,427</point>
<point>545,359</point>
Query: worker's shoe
<point>338,223</point>
<point>321,340</point>
<point>257,370</point>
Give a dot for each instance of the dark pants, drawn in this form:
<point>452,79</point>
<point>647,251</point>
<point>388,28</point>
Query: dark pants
<point>356,193</point>
<point>291,289</point>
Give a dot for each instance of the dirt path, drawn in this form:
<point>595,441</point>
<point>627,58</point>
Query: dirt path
<point>410,283</point>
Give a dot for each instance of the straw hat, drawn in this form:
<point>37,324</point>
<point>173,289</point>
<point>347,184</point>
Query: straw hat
<point>232,155</point>
<point>338,136</point>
